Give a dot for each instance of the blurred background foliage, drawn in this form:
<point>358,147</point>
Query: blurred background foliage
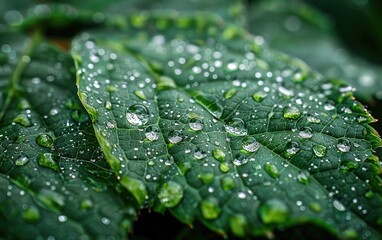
<point>341,39</point>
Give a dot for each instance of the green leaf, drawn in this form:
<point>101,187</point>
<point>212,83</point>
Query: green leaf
<point>54,179</point>
<point>244,136</point>
<point>302,31</point>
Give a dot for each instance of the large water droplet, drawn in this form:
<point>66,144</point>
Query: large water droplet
<point>343,145</point>
<point>272,170</point>
<point>303,177</point>
<point>152,133</point>
<point>338,205</point>
<point>44,140</point>
<point>227,183</point>
<point>274,211</point>
<point>219,155</point>
<point>175,136</point>
<point>259,96</point>
<point>250,144</point>
<point>21,161</point>
<point>210,208</point>
<point>313,119</point>
<point>137,115</point>
<point>240,159</point>
<point>196,124</point>
<point>170,194</point>
<point>306,132</point>
<point>292,148</point>
<point>230,93</point>
<point>199,153</point>
<point>236,127</point>
<point>46,160</point>
<point>291,113</point>
<point>31,214</point>
<point>319,150</point>
<point>23,120</point>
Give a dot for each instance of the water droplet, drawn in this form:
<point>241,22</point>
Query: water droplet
<point>46,160</point>
<point>338,205</point>
<point>219,155</point>
<point>315,207</point>
<point>31,214</point>
<point>21,161</point>
<point>250,144</point>
<point>238,225</point>
<point>259,96</point>
<point>152,133</point>
<point>343,145</point>
<point>175,136</point>
<point>303,177</point>
<point>137,115</point>
<point>227,183</point>
<point>319,150</point>
<point>224,167</point>
<point>23,120</point>
<point>240,159</point>
<point>62,218</point>
<point>236,127</point>
<point>206,178</point>
<point>105,221</point>
<point>272,170</point>
<point>86,204</point>
<point>306,132</point>
<point>274,211</point>
<point>210,208</point>
<point>292,148</point>
<point>369,194</point>
<point>348,166</point>
<point>291,113</point>
<point>329,105</point>
<point>140,94</point>
<point>44,140</point>
<point>170,194</point>
<point>232,66</point>
<point>196,124</point>
<point>313,119</point>
<point>199,153</point>
<point>230,93</point>
<point>210,104</point>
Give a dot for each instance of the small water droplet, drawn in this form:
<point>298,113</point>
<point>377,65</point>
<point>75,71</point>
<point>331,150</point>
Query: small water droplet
<point>230,93</point>
<point>306,132</point>
<point>21,161</point>
<point>137,115</point>
<point>259,96</point>
<point>199,153</point>
<point>343,145</point>
<point>152,133</point>
<point>196,124</point>
<point>348,166</point>
<point>240,159</point>
<point>315,207</point>
<point>140,94</point>
<point>292,148</point>
<point>219,155</point>
<point>250,144</point>
<point>274,211</point>
<point>86,204</point>
<point>291,113</point>
<point>170,194</point>
<point>224,167</point>
<point>175,136</point>
<point>46,160</point>
<point>238,225</point>
<point>23,120</point>
<point>272,170</point>
<point>44,140</point>
<point>236,127</point>
<point>210,208</point>
<point>319,150</point>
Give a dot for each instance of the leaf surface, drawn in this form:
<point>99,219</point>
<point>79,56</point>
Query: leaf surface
<point>199,117</point>
<point>54,180</point>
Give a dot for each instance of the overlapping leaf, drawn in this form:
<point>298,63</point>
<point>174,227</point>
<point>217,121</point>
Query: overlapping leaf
<point>198,117</point>
<point>54,180</point>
